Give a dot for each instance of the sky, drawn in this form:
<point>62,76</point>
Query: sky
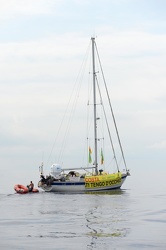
<point>42,44</point>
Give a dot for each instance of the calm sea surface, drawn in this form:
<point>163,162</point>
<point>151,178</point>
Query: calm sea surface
<point>133,218</point>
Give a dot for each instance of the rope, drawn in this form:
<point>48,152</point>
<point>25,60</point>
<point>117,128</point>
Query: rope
<point>111,109</point>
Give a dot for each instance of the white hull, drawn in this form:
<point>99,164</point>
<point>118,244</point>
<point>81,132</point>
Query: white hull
<point>78,186</point>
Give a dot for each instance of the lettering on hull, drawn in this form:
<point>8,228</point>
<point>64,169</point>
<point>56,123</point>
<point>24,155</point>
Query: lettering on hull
<point>103,181</point>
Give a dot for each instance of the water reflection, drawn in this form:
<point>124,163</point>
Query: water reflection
<point>107,218</point>
<point>110,192</point>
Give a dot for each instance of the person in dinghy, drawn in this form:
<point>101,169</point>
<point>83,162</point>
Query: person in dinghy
<point>30,186</point>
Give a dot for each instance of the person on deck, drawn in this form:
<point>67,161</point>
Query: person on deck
<point>43,179</point>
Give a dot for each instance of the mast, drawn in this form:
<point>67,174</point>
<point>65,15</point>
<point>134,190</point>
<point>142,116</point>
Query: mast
<point>94,104</point>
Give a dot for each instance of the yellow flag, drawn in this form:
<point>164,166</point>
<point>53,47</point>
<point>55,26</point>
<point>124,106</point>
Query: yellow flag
<point>102,157</point>
<point>90,152</point>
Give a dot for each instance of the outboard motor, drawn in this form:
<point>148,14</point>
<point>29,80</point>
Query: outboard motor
<point>55,170</point>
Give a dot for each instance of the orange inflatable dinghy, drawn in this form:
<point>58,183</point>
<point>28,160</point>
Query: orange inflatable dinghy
<point>35,190</point>
<point>20,189</point>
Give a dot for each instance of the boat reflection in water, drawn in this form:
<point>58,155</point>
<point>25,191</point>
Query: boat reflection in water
<point>107,219</point>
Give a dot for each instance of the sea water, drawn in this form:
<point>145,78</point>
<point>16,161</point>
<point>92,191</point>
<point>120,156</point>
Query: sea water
<point>131,218</point>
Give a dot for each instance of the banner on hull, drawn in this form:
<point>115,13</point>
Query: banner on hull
<point>103,180</point>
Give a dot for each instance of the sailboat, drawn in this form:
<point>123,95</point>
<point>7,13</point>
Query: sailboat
<point>92,177</point>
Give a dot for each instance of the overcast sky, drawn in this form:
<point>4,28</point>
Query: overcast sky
<point>42,45</point>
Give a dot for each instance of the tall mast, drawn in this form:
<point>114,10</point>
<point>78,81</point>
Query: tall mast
<point>94,104</point>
